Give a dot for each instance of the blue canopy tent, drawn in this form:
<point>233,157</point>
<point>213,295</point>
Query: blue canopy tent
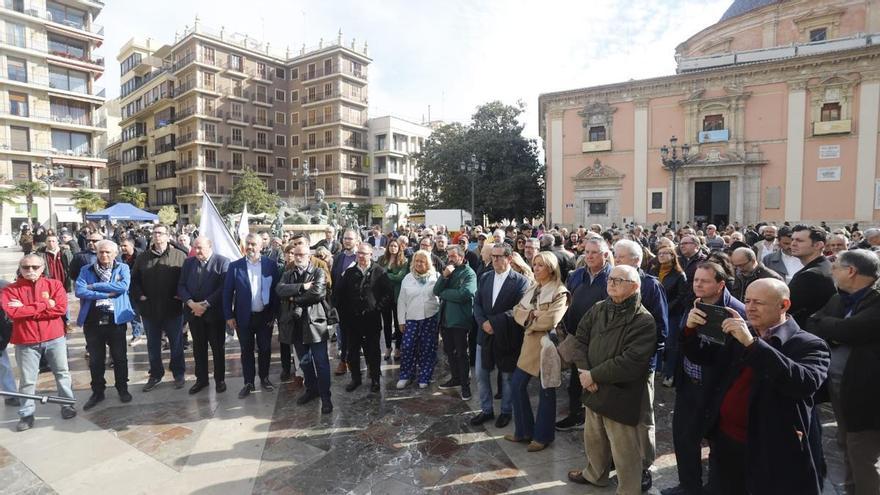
<point>123,211</point>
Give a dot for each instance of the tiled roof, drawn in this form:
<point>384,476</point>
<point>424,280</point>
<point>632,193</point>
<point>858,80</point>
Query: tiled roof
<point>740,7</point>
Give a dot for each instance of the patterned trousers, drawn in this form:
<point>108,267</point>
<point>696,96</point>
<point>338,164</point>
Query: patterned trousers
<point>419,349</point>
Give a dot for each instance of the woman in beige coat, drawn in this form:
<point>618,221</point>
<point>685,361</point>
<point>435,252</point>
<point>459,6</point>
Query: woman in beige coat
<point>539,311</point>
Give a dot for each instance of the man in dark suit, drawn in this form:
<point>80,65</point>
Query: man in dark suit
<point>201,290</point>
<point>376,239</point>
<point>499,338</point>
<point>329,241</point>
<point>812,286</point>
<point>249,304</point>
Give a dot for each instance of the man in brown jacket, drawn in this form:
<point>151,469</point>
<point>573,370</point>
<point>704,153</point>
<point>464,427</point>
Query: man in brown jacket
<point>615,342</point>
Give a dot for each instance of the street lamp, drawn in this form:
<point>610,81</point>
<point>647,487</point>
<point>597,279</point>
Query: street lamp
<point>473,168</point>
<point>673,163</point>
<point>50,174</point>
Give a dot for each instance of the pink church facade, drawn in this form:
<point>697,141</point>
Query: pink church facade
<point>779,102</point>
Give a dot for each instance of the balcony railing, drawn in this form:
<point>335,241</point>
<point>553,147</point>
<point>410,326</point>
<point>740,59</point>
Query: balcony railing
<point>321,120</point>
<point>261,98</point>
<point>234,92</point>
<point>307,75</point>
<point>33,10</point>
<point>321,96</point>
<point>44,82</point>
<point>52,118</point>
<point>165,148</point>
<point>190,58</point>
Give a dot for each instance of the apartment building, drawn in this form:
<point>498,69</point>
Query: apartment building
<point>198,112</point>
<point>393,167</point>
<point>48,103</point>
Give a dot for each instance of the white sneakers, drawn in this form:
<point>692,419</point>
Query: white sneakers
<point>401,384</point>
<point>423,385</point>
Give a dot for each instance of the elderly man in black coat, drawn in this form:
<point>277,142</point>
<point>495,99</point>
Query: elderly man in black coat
<point>759,421</point>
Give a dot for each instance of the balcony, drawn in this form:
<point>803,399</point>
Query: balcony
<point>193,58</point>
<point>321,96</point>
<point>244,144</point>
<point>54,119</point>
<point>164,148</point>
<point>319,72</point>
<point>832,127</point>
<point>717,136</point>
<point>357,191</point>
<point>234,93</point>
<point>263,100</point>
<point>264,123</point>
<point>264,146</point>
<point>199,137</point>
<point>593,146</point>
<point>331,119</point>
<point>94,30</point>
<point>22,79</point>
<point>235,69</point>
<point>182,89</point>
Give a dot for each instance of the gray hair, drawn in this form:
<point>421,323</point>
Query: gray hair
<point>632,247</point>
<point>865,262</point>
<point>534,242</point>
<point>872,232</point>
<point>254,235</point>
<point>107,243</point>
<point>354,232</point>
<point>746,253</point>
<point>508,250</point>
<point>203,239</point>
<point>547,240</point>
<point>631,274</point>
<point>599,242</point>
<point>456,248</point>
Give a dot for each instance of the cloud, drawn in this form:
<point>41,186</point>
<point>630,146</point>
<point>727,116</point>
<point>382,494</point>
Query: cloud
<point>450,55</point>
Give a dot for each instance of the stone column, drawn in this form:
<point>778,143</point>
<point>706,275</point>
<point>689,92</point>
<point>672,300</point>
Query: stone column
<point>555,169</point>
<point>866,161</point>
<point>640,153</point>
<point>794,152</point>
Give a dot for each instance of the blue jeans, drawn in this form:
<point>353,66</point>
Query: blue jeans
<point>137,325</point>
<point>315,365</point>
<point>541,429</point>
<point>484,382</point>
<point>173,329</point>
<point>7,377</point>
<point>28,357</point>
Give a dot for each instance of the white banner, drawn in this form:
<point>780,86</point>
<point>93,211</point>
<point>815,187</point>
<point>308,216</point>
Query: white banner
<point>213,227</point>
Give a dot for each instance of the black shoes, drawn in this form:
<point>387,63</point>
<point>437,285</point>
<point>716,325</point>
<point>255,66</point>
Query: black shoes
<point>571,422</point>
<point>481,418</point>
<point>326,407</point>
<point>220,387</point>
<point>68,412</point>
<point>682,490</point>
<point>285,376</point>
<point>266,385</point>
<point>306,398</point>
<point>93,400</point>
<point>466,392</point>
<point>374,387</point>
<point>502,421</point>
<point>179,383</point>
<point>352,385</point>
<point>25,423</point>
<point>12,402</point>
<point>124,396</point>
<point>151,384</point>
<point>246,390</point>
<point>452,383</point>
<point>198,387</point>
<point>647,480</point>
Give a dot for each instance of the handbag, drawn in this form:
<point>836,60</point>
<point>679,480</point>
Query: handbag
<point>331,312</point>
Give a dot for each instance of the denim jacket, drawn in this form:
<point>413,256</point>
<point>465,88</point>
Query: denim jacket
<point>118,284</point>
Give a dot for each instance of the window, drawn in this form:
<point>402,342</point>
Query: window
<point>133,154</point>
<point>280,140</point>
<point>294,74</point>
<point>294,95</point>
<point>280,117</point>
<point>279,73</point>
<point>68,16</point>
<point>211,157</point>
<point>597,133</point>
<point>18,104</point>
<point>311,71</point>
<point>328,66</point>
<point>830,112</point>
<point>280,162</point>
<point>294,185</point>
<point>328,138</point>
<point>380,142</point>
<point>19,139</point>
<point>261,139</point>
<point>70,111</point>
<point>820,34</point>
<point>262,71</point>
<point>294,165</point>
<point>294,140</point>
<point>262,162</point>
<point>236,135</point>
<point>208,54</point>
<point>16,69</point>
<point>281,185</point>
<point>713,123</point>
<point>235,62</point>
<point>21,172</point>
<point>598,207</point>
<point>280,95</point>
<point>236,112</point>
<point>15,35</point>
<point>67,47</point>
<point>129,63</point>
<point>236,160</point>
<point>208,80</point>
<point>657,200</point>
<point>328,162</point>
<point>294,118</point>
<point>313,93</point>
<point>167,197</point>
<point>328,90</point>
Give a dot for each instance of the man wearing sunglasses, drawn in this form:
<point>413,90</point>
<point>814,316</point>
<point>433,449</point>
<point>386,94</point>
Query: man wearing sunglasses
<point>85,257</point>
<point>36,305</point>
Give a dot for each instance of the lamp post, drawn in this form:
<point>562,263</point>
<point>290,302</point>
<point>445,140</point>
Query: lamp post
<point>50,174</point>
<point>673,161</point>
<point>473,167</point>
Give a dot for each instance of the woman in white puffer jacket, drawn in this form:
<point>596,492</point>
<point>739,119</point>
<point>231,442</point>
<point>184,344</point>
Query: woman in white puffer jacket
<point>417,309</point>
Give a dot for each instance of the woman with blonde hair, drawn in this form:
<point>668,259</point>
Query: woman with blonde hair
<point>519,265</point>
<point>417,307</point>
<point>540,310</point>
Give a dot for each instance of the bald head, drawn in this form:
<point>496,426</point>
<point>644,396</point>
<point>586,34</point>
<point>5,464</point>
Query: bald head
<point>203,247</point>
<point>767,300</point>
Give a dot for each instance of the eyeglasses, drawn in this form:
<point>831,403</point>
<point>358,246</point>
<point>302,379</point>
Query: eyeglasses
<point>363,253</point>
<point>30,267</point>
<point>94,240</point>
<point>160,233</point>
<point>499,256</point>
<point>686,242</point>
<point>618,281</point>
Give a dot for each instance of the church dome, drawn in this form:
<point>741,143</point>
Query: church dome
<point>740,7</point>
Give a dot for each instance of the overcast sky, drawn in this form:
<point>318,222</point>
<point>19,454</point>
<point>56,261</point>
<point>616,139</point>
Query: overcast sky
<point>451,55</point>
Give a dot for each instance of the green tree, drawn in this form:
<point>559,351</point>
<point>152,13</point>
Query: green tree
<point>30,190</point>
<point>167,214</point>
<point>253,191</point>
<point>6,196</point>
<point>87,202</point>
<point>511,182</point>
<point>132,195</point>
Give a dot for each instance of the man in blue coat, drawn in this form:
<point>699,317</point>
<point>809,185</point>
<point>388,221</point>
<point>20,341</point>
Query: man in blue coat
<point>102,288</point>
<point>201,290</point>
<point>499,338</point>
<point>760,413</point>
<point>249,304</point>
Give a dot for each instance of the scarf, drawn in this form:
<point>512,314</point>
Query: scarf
<point>665,269</point>
<point>104,275</point>
<point>423,278</point>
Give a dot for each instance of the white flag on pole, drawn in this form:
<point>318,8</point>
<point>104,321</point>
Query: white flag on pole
<point>243,229</point>
<point>213,227</point>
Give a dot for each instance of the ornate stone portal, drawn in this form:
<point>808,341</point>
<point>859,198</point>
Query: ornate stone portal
<point>597,194</point>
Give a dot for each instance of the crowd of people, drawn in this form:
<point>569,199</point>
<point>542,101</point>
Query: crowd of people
<point>753,326</point>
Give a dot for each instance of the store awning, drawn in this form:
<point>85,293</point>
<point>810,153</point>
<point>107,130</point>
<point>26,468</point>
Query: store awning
<point>68,217</point>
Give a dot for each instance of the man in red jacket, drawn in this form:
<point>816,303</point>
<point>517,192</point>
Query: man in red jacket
<point>36,305</point>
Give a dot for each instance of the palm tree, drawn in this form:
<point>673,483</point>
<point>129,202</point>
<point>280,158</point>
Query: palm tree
<point>132,195</point>
<point>87,201</point>
<point>6,196</point>
<point>30,190</point>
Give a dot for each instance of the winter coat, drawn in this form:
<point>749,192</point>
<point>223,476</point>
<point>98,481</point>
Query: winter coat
<point>456,295</point>
<point>89,289</point>
<point>302,315</point>
<point>552,302</point>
